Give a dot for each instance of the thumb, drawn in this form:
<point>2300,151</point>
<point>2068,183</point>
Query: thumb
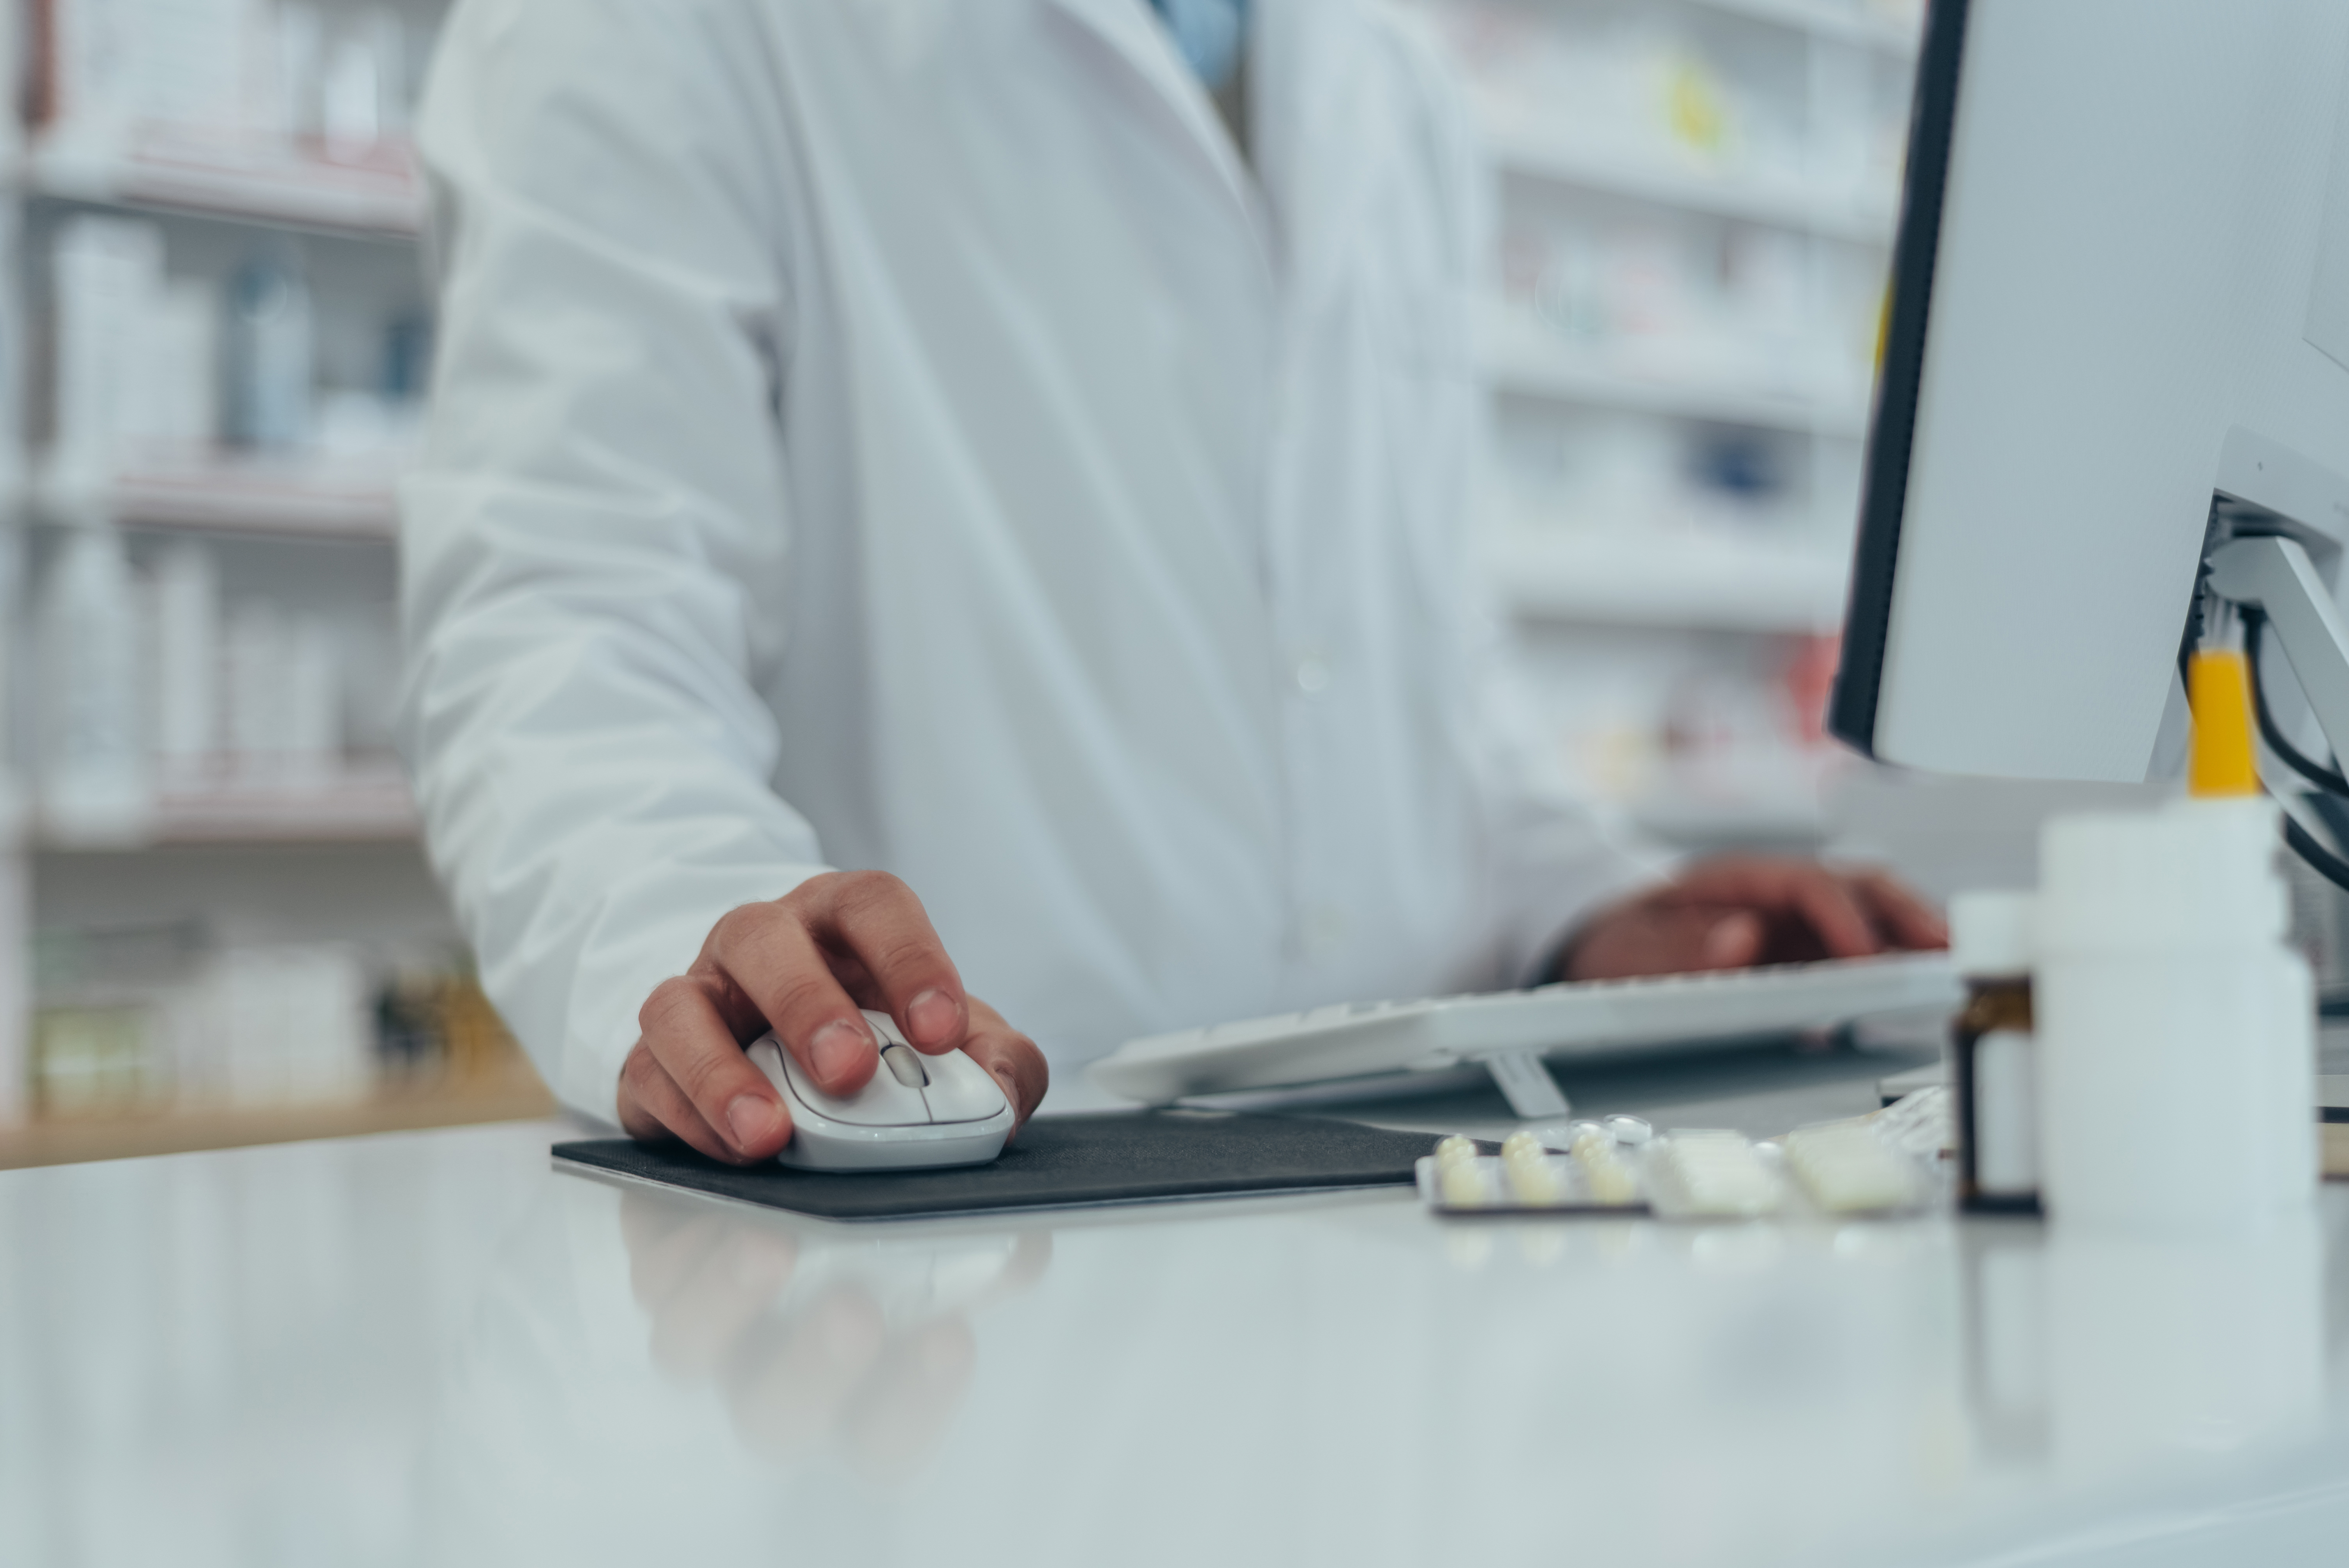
<point>1733,942</point>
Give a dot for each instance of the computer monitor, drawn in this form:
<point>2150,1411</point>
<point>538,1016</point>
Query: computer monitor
<point>2117,337</point>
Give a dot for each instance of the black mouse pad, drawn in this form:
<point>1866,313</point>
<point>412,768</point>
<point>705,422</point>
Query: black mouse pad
<point>1127,1157</point>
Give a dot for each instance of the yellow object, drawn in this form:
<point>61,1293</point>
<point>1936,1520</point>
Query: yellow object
<point>1694,105</point>
<point>2221,691</point>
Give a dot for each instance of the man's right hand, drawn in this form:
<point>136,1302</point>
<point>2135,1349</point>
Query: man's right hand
<point>805,966</point>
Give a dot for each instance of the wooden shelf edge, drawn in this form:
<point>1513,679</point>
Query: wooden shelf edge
<point>73,1142</point>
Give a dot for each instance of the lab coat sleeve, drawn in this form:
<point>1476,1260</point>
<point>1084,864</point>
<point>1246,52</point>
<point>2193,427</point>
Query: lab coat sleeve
<point>1556,861</point>
<point>602,486</point>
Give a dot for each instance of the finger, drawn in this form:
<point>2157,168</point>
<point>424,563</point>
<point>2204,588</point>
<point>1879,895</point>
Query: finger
<point>876,919</point>
<point>654,1110</point>
<point>738,1109</point>
<point>1802,889</point>
<point>1009,1057</point>
<point>1645,939</point>
<point>1835,917</point>
<point>769,953</point>
<point>1903,917</point>
<point>1732,942</point>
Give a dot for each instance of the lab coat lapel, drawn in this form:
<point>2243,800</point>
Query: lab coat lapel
<point>1319,127</point>
<point>1129,29</point>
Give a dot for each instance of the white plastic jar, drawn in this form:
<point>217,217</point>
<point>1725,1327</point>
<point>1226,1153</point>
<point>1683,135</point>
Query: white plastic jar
<point>2176,1029</point>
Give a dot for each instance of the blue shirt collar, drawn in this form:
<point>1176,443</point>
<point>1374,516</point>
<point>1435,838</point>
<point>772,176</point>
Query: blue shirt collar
<point>1209,34</point>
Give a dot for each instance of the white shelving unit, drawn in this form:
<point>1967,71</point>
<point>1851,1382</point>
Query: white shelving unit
<point>1519,358</point>
<point>1523,144</point>
<point>1842,24</point>
<point>1632,597</point>
<point>1707,579</point>
<point>301,499</point>
<point>363,806</point>
<point>267,857</point>
<point>161,172</point>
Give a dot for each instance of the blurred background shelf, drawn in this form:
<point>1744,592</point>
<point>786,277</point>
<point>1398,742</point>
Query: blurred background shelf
<point>179,1132</point>
<point>1889,30</point>
<point>1520,358</point>
<point>1523,143</point>
<point>302,497</point>
<point>360,810</point>
<point>208,177</point>
<point>363,806</point>
<point>1716,581</point>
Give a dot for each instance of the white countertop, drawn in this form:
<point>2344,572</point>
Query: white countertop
<point>433,1348</point>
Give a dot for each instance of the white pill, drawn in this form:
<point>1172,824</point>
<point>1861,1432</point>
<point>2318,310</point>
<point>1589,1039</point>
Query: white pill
<point>1604,1171</point>
<point>1520,1144</point>
<point>1463,1184</point>
<point>1534,1180</point>
<point>1850,1169</point>
<point>1719,1174</point>
<point>1628,1131</point>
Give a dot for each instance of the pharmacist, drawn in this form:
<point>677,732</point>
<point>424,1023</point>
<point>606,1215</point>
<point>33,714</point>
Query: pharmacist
<point>941,499</point>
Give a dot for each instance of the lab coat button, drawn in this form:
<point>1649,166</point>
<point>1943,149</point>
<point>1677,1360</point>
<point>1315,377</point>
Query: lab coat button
<point>1325,929</point>
<point>1312,674</point>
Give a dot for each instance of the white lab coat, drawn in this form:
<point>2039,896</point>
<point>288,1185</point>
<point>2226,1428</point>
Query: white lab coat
<point>905,434</point>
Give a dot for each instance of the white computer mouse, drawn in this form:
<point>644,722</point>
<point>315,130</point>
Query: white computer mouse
<point>918,1111</point>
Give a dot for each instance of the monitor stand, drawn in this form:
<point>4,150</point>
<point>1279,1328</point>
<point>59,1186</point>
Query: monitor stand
<point>2273,574</point>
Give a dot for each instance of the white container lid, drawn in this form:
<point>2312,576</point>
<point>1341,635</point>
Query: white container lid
<point>1990,934</point>
<point>2197,874</point>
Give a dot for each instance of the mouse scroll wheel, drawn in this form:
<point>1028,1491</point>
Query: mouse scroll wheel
<point>907,1066</point>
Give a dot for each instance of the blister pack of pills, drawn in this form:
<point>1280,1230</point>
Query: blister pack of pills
<point>1839,1170</point>
<point>1597,1172</point>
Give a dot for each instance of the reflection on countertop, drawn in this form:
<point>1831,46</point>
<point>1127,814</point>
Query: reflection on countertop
<point>435,1350</point>
<point>816,1344</point>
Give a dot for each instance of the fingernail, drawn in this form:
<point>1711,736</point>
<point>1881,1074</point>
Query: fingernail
<point>930,1019</point>
<point>837,1047</point>
<point>752,1119</point>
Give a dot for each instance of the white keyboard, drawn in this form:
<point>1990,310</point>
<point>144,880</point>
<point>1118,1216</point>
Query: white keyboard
<point>1510,1032</point>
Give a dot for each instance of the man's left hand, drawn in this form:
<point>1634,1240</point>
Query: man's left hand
<point>1744,910</point>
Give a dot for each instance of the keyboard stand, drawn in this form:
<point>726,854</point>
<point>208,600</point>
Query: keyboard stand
<point>1525,1082</point>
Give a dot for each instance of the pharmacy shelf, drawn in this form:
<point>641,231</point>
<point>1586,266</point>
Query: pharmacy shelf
<point>1531,145</point>
<point>300,500</point>
<point>1712,579</point>
<point>361,809</point>
<point>211,180</point>
<point>226,494</point>
<point>373,805</point>
<point>1520,357</point>
<point>67,1141</point>
<point>1843,24</point>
